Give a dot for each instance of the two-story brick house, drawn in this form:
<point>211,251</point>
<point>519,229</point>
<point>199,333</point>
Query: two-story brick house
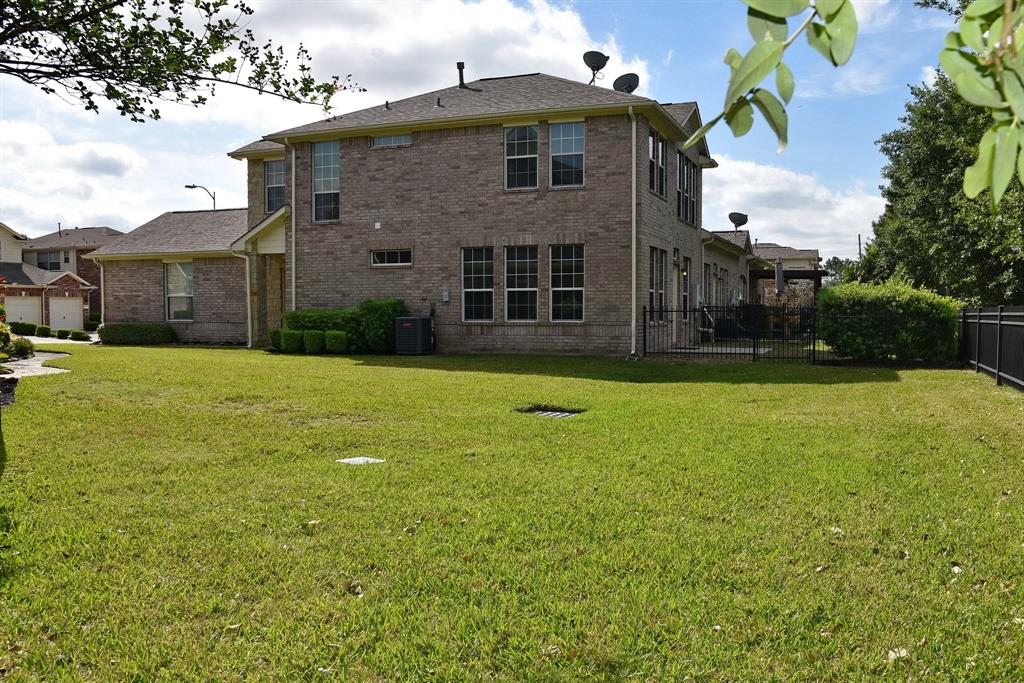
<point>527,213</point>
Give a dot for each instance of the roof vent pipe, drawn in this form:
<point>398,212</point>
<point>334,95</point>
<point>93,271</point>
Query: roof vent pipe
<point>461,66</point>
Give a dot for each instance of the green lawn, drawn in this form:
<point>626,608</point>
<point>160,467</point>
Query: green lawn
<point>178,514</point>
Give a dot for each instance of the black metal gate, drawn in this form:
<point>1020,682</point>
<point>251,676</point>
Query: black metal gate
<point>743,332</point>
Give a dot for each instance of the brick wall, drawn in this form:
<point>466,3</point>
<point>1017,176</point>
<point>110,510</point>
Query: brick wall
<point>135,293</point>
<point>89,270</point>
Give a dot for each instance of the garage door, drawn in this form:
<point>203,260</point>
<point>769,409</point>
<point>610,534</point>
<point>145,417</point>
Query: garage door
<point>66,312</point>
<point>24,309</point>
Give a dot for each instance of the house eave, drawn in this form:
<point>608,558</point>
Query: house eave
<point>153,255</point>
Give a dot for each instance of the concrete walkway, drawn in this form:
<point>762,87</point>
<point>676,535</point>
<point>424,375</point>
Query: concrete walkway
<point>32,367</point>
<point>36,341</point>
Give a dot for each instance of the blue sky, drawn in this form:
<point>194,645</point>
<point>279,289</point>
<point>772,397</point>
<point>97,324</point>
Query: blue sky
<point>59,163</point>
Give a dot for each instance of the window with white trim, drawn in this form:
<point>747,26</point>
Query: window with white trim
<point>567,282</point>
<point>521,157</point>
<point>656,159</point>
<point>326,181</point>
<point>478,284</point>
<point>688,186</point>
<point>273,181</point>
<point>402,140</point>
<point>48,260</point>
<point>568,141</point>
<point>521,284</point>
<point>657,276</point>
<point>383,258</point>
<point>178,290</point>
<point>685,288</point>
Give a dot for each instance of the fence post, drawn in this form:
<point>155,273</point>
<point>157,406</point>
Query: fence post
<point>977,338</point>
<point>753,357</point>
<point>644,342</point>
<point>999,345</point>
<point>814,335</point>
<point>963,333</point>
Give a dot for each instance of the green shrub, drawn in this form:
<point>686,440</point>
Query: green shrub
<point>94,317</point>
<point>91,325</point>
<point>892,321</point>
<point>377,323</point>
<point>275,340</point>
<point>337,341</point>
<point>292,341</point>
<point>24,329</point>
<point>79,335</point>
<point>345,319</point>
<point>22,347</point>
<point>137,334</point>
<point>62,334</point>
<point>43,331</point>
<point>313,341</point>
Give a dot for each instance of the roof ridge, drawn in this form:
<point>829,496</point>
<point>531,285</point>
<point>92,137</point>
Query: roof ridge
<point>236,208</point>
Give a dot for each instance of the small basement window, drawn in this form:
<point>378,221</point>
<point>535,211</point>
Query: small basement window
<point>391,140</point>
<point>391,257</point>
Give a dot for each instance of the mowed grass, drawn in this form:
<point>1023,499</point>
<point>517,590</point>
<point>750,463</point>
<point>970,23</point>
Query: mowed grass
<point>178,514</point>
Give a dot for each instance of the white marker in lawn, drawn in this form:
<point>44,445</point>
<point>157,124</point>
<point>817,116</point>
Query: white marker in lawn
<point>360,460</point>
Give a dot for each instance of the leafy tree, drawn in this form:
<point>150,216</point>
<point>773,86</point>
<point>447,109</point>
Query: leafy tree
<point>839,268</point>
<point>931,233</point>
<point>134,53</point>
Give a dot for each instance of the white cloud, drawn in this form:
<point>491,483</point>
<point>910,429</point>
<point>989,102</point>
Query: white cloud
<point>874,16</point>
<point>929,75</point>
<point>787,207</point>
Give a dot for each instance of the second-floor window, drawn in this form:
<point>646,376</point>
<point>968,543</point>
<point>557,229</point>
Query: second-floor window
<point>49,260</point>
<point>273,181</point>
<point>381,258</point>
<point>567,148</point>
<point>688,188</point>
<point>326,181</point>
<point>656,154</point>
<point>402,140</point>
<point>521,157</point>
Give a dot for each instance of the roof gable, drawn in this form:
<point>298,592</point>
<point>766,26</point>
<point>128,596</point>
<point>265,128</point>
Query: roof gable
<point>180,232</point>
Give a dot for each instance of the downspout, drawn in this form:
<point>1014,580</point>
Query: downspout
<point>632,248</point>
<point>103,296</point>
<point>294,204</point>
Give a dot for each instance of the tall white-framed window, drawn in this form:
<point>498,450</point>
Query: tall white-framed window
<point>178,290</point>
<point>273,182</point>
<point>568,143</point>
<point>656,160</point>
<point>688,182</point>
<point>684,284</point>
<point>521,284</point>
<point>478,284</point>
<point>680,182</point>
<point>521,157</point>
<point>567,282</point>
<point>326,181</point>
<point>657,277</point>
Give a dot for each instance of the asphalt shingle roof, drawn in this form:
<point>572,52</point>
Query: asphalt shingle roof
<point>181,232</point>
<point>257,147</point>
<point>737,237</point>
<point>771,251</point>
<point>681,111</point>
<point>75,237</point>
<point>484,97</point>
<point>25,274</point>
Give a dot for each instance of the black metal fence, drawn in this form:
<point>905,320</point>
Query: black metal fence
<point>744,332</point>
<point>992,341</point>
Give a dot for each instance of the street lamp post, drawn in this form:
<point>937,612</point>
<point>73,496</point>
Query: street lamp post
<point>213,195</point>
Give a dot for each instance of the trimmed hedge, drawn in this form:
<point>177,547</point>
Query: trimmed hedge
<point>275,340</point>
<point>43,331</point>
<point>137,334</point>
<point>893,321</point>
<point>24,329</point>
<point>370,326</point>
<point>79,335</point>
<point>22,347</point>
<point>91,325</point>
<point>337,341</point>
<point>62,334</point>
<point>292,341</point>
<point>313,341</point>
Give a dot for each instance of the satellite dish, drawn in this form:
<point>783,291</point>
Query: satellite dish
<point>626,83</point>
<point>738,219</point>
<point>595,61</point>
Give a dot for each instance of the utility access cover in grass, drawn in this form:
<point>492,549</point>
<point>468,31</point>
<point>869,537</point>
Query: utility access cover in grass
<point>550,411</point>
<point>360,460</point>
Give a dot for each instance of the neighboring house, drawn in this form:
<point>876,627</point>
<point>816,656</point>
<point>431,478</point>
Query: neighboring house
<point>179,268</point>
<point>802,275</point>
<point>728,261</point>
<point>66,250</point>
<point>527,213</point>
<point>59,298</point>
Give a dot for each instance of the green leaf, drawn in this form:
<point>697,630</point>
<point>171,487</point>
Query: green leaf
<point>978,176</point>
<point>828,8</point>
<point>820,40</point>
<point>756,65</point>
<point>740,118</point>
<point>733,58</point>
<point>980,8</point>
<point>1020,165</point>
<point>954,41</point>
<point>766,27</point>
<point>995,32</point>
<point>701,132</point>
<point>842,28</point>
<point>1014,91</point>
<point>774,113</point>
<point>971,33</point>
<point>784,82</point>
<point>778,8</point>
<point>1004,162</point>
<point>973,84</point>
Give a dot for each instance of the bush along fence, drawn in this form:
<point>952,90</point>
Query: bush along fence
<point>992,341</point>
<point>366,328</point>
